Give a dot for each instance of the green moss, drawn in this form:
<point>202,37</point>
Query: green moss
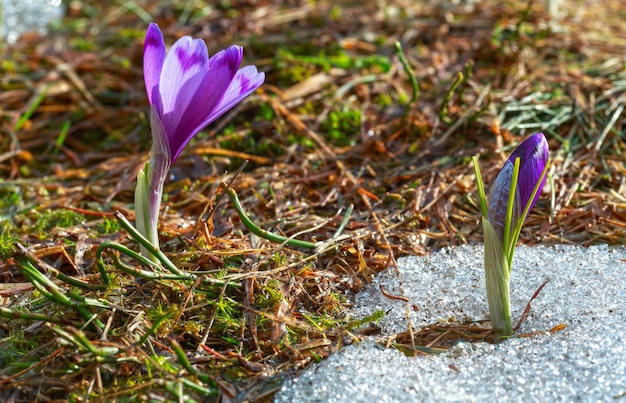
<point>343,127</point>
<point>108,226</point>
<point>7,239</point>
<point>49,219</point>
<point>269,295</point>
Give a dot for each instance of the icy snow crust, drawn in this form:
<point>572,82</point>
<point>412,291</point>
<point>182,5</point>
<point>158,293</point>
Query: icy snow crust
<point>584,362</point>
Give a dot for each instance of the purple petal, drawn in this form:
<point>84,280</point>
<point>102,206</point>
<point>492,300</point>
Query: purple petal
<point>533,155</point>
<point>196,104</point>
<point>184,68</point>
<point>245,82</point>
<point>153,57</point>
<point>499,199</point>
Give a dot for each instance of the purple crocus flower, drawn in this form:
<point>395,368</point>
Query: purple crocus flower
<point>533,155</point>
<point>187,91</point>
<point>500,244</point>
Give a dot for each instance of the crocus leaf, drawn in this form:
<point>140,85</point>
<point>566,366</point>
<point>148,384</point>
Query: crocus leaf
<point>142,214</point>
<point>482,199</point>
<point>497,273</point>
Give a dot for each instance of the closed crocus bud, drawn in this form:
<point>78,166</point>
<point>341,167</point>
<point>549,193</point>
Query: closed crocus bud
<point>187,91</point>
<point>524,173</point>
<point>533,157</point>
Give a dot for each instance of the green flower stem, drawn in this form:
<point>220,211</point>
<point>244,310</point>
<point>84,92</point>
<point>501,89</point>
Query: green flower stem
<point>74,282</point>
<point>184,361</point>
<point>10,313</point>
<point>46,287</point>
<point>88,301</point>
<point>79,339</point>
<point>53,292</point>
<point>139,258</point>
<point>25,255</point>
<point>443,112</point>
<point>409,71</point>
<point>145,243</point>
<point>261,232</point>
<point>148,275</point>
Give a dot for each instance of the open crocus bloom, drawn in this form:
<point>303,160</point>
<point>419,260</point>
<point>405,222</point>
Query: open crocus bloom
<point>187,91</point>
<point>513,195</point>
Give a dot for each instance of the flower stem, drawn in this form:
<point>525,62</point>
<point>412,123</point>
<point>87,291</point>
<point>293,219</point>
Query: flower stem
<point>261,232</point>
<point>55,293</point>
<point>409,71</point>
<point>152,250</point>
<point>11,313</point>
<point>443,112</point>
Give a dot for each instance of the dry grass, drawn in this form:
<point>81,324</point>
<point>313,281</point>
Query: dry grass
<point>333,127</point>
